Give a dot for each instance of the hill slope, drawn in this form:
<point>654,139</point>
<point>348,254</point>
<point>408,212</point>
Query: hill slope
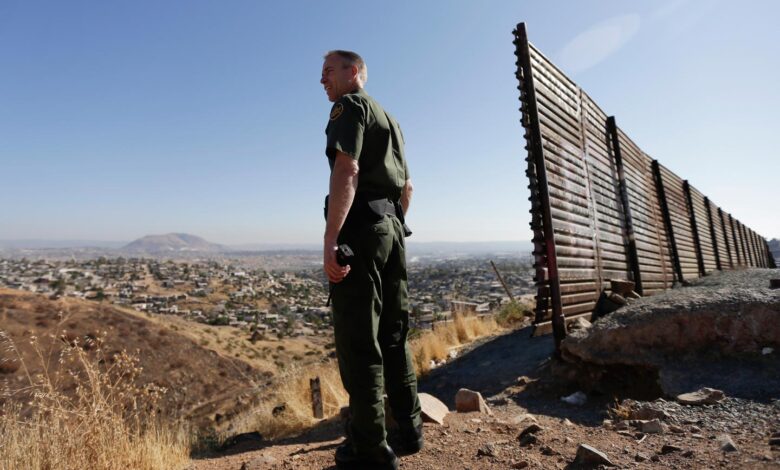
<point>200,382</point>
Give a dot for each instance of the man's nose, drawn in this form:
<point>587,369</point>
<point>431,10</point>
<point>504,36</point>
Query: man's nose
<point>322,80</point>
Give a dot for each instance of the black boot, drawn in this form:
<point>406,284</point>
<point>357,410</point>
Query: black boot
<point>410,439</point>
<point>380,458</point>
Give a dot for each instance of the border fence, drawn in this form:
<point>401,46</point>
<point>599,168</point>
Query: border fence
<point>603,210</point>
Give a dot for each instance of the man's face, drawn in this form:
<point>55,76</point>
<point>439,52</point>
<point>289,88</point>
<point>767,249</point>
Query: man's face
<point>338,78</point>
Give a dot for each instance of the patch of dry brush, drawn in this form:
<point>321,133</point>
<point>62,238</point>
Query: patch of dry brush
<point>287,411</point>
<point>106,422</point>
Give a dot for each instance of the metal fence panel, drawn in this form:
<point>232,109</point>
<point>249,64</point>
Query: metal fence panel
<point>602,210</point>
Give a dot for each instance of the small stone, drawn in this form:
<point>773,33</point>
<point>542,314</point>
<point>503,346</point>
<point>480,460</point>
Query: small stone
<point>669,448</point>
<point>523,380</point>
<point>547,450</point>
<point>704,396</point>
<point>676,429</point>
<point>488,450</point>
<point>532,429</point>
<point>655,458</point>
<point>774,441</point>
<point>726,444</point>
<point>433,409</point>
<point>587,455</point>
<point>695,429</point>
<point>648,413</point>
<point>651,427</point>
<point>468,400</point>
<point>640,457</point>
<point>688,453</point>
<point>576,398</point>
<point>767,351</point>
<point>618,299</point>
<point>566,422</point>
<point>579,324</point>
<point>528,439</point>
<point>522,418</point>
<point>621,425</point>
<point>520,464</point>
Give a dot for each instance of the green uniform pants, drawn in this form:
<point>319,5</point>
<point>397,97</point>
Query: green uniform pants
<point>371,323</point>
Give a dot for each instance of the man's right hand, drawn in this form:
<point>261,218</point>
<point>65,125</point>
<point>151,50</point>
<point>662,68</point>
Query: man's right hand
<point>335,272</point>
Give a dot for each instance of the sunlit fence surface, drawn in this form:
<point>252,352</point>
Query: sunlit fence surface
<point>602,209</point>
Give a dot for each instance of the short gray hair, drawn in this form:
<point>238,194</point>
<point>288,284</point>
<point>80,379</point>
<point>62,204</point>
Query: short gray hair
<point>352,58</point>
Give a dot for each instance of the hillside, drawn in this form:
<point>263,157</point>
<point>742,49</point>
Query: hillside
<point>207,370</point>
<point>172,242</point>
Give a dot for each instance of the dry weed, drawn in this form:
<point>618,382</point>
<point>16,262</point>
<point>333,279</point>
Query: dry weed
<point>108,422</point>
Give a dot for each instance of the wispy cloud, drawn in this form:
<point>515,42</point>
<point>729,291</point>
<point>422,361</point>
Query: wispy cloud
<point>598,42</point>
<point>668,9</point>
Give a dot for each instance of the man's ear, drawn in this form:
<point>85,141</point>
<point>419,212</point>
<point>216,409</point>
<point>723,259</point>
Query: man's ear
<point>355,71</point>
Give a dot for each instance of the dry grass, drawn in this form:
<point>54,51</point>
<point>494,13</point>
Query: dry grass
<point>106,423</point>
<point>287,411</point>
<point>434,346</point>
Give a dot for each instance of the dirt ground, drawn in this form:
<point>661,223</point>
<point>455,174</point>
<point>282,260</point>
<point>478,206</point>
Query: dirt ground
<point>513,372</point>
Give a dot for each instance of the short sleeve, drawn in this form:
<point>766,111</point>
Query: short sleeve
<point>345,128</point>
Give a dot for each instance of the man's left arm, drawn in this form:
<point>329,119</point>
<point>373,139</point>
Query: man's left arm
<point>343,183</point>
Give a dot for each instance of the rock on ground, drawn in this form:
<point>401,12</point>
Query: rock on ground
<point>719,325</point>
<point>468,400</point>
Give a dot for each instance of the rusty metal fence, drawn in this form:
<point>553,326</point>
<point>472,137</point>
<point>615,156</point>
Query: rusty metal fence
<point>603,210</point>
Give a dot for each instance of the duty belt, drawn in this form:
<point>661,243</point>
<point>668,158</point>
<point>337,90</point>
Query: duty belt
<point>371,210</point>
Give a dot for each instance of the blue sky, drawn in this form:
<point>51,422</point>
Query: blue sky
<point>121,119</point>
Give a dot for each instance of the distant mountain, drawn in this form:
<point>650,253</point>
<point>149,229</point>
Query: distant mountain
<point>172,243</point>
<point>774,247</point>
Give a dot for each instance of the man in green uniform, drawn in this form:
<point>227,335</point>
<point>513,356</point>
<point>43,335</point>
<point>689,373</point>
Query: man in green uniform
<point>370,191</point>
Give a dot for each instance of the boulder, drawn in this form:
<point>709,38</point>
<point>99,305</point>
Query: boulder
<point>468,400</point>
<point>718,325</point>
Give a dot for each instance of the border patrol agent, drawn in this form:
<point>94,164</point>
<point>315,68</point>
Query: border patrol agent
<point>370,191</point>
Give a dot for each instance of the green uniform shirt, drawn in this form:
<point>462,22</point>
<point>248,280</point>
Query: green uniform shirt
<point>362,129</point>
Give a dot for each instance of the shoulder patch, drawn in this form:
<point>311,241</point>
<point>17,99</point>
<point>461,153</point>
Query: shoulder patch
<point>338,108</point>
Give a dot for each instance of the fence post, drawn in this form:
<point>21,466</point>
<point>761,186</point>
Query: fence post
<point>659,184</point>
<point>736,242</point>
<point>538,175</point>
<point>316,397</point>
<point>741,234</point>
<point>633,257</point>
<point>725,237</point>
<point>694,228</point>
<point>713,235</point>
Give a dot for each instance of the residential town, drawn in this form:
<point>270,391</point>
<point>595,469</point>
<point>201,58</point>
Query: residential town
<point>273,302</point>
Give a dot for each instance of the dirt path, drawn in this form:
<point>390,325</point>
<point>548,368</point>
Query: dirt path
<point>475,441</point>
